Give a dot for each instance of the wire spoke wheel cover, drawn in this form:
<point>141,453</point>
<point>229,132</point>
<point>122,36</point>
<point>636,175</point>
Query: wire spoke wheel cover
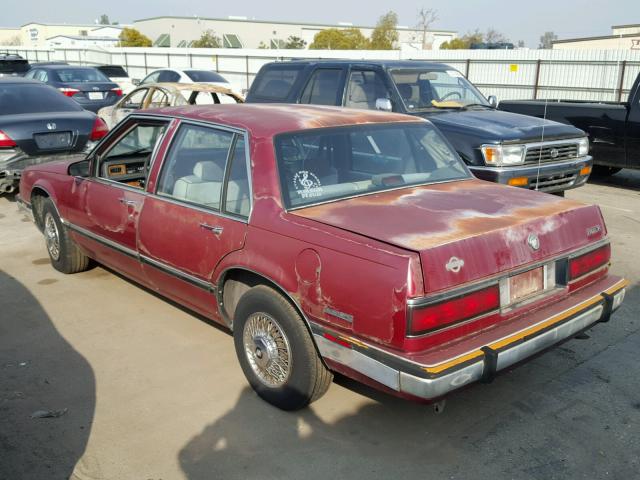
<point>267,349</point>
<point>52,237</point>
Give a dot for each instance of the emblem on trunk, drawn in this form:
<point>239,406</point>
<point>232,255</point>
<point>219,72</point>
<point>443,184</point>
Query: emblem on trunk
<point>51,126</point>
<point>533,241</point>
<point>591,231</point>
<point>454,264</point>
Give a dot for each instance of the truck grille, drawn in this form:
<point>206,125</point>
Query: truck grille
<point>556,152</point>
<point>553,182</point>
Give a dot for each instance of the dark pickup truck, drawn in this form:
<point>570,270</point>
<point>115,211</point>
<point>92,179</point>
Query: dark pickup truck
<point>498,146</point>
<point>613,128</point>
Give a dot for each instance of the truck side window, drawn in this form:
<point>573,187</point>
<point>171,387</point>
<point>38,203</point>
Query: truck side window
<point>365,87</point>
<point>322,88</point>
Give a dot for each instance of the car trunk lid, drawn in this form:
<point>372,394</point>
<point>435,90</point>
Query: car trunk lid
<point>466,230</point>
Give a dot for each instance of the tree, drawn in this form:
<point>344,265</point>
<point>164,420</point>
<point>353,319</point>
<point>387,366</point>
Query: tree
<point>294,42</point>
<point>426,17</point>
<point>104,19</point>
<point>547,39</point>
<point>464,42</point>
<point>521,44</point>
<point>130,37</point>
<point>13,41</point>
<point>339,39</point>
<point>385,35</point>
<point>493,36</point>
<point>208,39</point>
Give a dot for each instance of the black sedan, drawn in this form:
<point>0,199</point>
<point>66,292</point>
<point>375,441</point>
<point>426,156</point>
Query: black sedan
<point>86,85</point>
<point>38,125</point>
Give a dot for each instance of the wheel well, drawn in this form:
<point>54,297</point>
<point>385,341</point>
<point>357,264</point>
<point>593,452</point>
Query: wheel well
<point>37,204</point>
<point>236,282</point>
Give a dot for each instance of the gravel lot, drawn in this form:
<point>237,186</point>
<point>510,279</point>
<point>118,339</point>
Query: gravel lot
<point>150,391</point>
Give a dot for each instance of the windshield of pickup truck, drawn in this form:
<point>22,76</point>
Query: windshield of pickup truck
<point>316,166</point>
<point>423,89</point>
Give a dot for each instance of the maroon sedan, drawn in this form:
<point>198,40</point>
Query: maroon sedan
<point>330,240</point>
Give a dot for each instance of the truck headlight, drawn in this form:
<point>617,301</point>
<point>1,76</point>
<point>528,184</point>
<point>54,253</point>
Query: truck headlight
<point>499,155</point>
<point>583,147</point>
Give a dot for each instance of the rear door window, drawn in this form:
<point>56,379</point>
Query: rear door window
<point>276,82</point>
<point>323,87</point>
<point>169,76</point>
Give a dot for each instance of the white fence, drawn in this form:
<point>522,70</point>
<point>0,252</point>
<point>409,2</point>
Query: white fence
<point>602,75</point>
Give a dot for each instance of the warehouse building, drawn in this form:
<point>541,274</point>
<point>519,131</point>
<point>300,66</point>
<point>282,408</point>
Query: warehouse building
<point>623,37</point>
<point>241,32</point>
<point>37,34</point>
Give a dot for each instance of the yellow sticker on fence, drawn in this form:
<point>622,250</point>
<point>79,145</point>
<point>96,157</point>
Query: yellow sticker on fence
<point>513,67</point>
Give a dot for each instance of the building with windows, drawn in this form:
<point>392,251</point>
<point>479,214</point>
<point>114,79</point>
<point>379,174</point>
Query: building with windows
<point>242,32</point>
<point>37,34</point>
<point>623,37</point>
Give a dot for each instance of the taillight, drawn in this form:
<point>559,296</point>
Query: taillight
<point>5,140</point>
<point>589,261</point>
<point>68,92</point>
<point>117,91</point>
<point>100,129</point>
<point>454,310</point>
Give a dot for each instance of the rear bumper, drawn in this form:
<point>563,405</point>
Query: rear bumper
<point>481,363</point>
<point>549,177</point>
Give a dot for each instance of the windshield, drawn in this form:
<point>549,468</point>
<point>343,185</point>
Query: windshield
<point>204,76</point>
<point>329,164</point>
<point>423,89</point>
<point>77,75</point>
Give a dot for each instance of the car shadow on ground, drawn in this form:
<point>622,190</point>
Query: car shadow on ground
<point>543,420</point>
<point>47,391</point>
<point>626,178</point>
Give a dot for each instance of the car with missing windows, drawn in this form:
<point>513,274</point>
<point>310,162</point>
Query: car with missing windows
<point>88,86</point>
<point>330,240</point>
<point>187,75</point>
<point>38,125</point>
<point>157,95</point>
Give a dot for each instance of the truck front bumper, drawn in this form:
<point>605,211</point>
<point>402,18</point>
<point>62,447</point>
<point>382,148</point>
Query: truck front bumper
<point>548,177</point>
<point>486,356</point>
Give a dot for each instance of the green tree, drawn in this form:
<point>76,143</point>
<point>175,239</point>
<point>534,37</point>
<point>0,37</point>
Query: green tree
<point>208,39</point>
<point>339,39</point>
<point>385,35</point>
<point>130,37</point>
<point>295,43</point>
<point>464,42</point>
<point>104,19</point>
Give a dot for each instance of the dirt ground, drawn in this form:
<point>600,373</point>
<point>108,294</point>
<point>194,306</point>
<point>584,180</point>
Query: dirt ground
<point>146,390</point>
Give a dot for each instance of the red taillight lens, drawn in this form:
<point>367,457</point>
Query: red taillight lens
<point>5,140</point>
<point>448,312</point>
<point>117,91</point>
<point>589,261</point>
<point>100,129</point>
<point>69,92</point>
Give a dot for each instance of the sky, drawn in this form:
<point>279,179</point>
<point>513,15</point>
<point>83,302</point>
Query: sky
<point>515,19</point>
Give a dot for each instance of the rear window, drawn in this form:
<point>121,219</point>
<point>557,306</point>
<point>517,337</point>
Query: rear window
<point>17,99</point>
<point>205,76</point>
<point>329,164</point>
<point>275,83</point>
<point>79,75</point>
<point>113,71</point>
<point>13,66</point>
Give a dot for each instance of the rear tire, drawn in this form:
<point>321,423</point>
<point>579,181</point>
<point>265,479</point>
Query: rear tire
<point>276,351</point>
<point>64,253</point>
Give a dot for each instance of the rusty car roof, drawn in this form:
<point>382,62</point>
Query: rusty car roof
<point>267,120</point>
<point>193,87</point>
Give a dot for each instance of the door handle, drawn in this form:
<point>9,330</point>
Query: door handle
<point>130,203</point>
<point>213,229</point>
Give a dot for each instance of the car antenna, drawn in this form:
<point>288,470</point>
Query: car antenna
<point>544,118</point>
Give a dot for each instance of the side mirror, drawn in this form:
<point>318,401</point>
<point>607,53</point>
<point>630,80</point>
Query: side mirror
<point>80,169</point>
<point>135,81</point>
<point>384,104</point>
<point>493,101</point>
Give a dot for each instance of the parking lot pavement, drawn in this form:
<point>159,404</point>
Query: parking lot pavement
<point>146,390</point>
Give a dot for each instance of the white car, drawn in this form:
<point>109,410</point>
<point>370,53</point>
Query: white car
<point>188,75</point>
<point>119,75</point>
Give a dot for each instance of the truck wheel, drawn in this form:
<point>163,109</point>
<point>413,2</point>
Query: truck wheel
<point>276,352</point>
<point>604,171</point>
<point>65,255</point>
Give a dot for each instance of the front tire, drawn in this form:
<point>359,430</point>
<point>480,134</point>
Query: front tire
<point>64,254</point>
<point>276,352</point>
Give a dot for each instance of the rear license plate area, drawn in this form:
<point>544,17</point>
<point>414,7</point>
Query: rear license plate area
<point>95,95</point>
<point>527,284</point>
<point>53,141</point>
